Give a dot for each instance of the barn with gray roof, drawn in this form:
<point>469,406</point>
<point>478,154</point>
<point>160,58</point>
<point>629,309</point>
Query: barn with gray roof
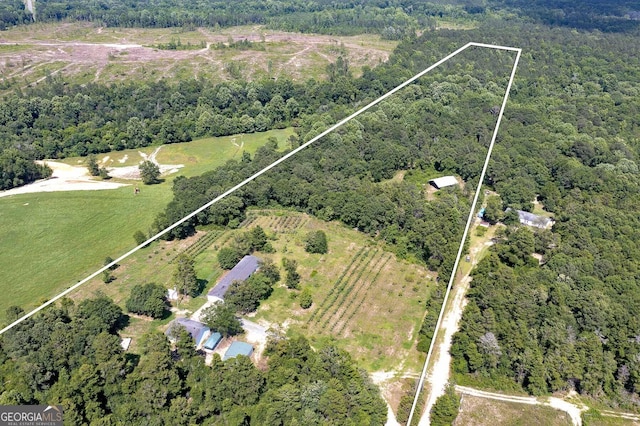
<point>243,270</point>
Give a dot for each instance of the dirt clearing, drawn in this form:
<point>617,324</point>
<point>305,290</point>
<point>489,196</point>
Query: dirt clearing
<point>85,53</point>
<point>64,178</point>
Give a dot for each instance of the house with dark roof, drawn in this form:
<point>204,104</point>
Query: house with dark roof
<point>197,330</point>
<point>537,221</point>
<point>238,348</point>
<point>243,270</point>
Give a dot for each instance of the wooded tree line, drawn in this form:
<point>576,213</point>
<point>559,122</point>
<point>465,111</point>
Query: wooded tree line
<point>392,19</point>
<point>339,178</point>
<point>71,355</point>
<point>601,15</point>
<point>442,124</point>
<point>572,136</point>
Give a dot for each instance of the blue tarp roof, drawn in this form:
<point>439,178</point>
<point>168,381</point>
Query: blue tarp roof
<point>238,348</point>
<point>240,272</point>
<point>213,341</point>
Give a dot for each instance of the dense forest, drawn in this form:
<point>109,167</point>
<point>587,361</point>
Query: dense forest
<point>571,138</point>
<point>71,355</point>
<point>393,19</point>
<point>425,127</point>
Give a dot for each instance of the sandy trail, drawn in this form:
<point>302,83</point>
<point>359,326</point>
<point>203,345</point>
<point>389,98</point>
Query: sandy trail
<point>450,323</point>
<point>64,178</point>
<point>573,410</point>
<point>438,373</point>
<point>133,172</point>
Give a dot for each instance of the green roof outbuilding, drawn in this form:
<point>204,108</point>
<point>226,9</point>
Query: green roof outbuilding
<point>238,348</point>
<point>213,341</point>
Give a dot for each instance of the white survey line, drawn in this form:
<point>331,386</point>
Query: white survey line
<point>495,46</point>
<point>466,229</point>
<point>235,188</point>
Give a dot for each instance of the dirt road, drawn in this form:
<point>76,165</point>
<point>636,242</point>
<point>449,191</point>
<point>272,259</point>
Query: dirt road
<point>438,376</point>
<point>573,410</point>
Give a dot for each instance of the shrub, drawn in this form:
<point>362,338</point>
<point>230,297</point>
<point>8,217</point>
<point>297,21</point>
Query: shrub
<point>149,172</point>
<point>306,300</point>
<point>228,257</point>
<point>139,237</point>
<point>148,299</point>
<point>316,242</point>
<point>445,410</point>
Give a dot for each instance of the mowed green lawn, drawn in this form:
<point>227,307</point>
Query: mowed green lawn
<point>49,241</point>
<point>197,156</point>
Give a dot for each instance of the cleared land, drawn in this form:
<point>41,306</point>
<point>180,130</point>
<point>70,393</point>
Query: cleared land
<point>365,299</point>
<point>85,53</point>
<point>50,240</point>
<point>476,411</point>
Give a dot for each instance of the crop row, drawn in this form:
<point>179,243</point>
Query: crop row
<point>364,297</point>
<point>248,221</point>
<point>286,224</point>
<point>200,245</point>
<point>338,281</point>
<point>348,288</point>
<point>340,286</point>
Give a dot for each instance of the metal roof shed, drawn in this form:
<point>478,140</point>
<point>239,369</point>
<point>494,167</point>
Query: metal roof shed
<point>238,348</point>
<point>243,270</point>
<point>531,219</point>
<point>213,341</point>
<point>444,181</point>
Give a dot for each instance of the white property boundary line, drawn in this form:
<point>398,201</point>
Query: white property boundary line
<point>466,228</point>
<point>280,160</point>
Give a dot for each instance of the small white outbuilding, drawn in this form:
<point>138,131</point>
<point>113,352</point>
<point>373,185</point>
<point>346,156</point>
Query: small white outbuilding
<point>444,181</point>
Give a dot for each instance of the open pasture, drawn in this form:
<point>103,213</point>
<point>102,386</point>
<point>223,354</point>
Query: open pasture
<point>49,241</point>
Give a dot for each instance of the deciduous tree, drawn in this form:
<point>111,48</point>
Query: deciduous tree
<point>221,318</point>
<point>149,172</point>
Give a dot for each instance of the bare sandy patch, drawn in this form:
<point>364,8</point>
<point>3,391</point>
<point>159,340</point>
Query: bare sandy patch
<point>64,178</point>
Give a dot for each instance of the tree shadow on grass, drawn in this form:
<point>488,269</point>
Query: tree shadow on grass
<point>202,285</point>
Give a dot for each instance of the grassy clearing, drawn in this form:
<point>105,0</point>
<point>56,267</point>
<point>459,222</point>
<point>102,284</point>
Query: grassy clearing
<point>365,299</point>
<point>49,241</point>
<point>375,316</point>
<point>198,156</point>
<point>488,412</point>
<point>611,421</point>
